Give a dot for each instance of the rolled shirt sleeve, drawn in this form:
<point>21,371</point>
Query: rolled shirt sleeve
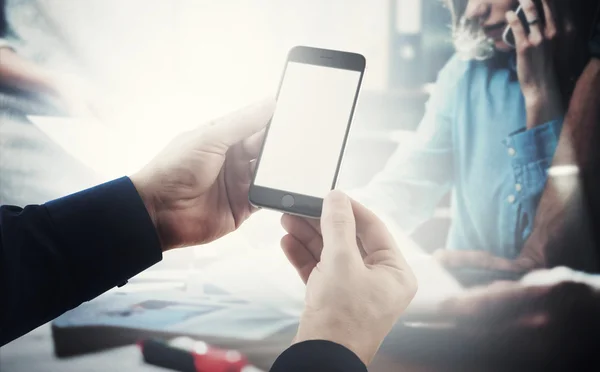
<point>532,152</point>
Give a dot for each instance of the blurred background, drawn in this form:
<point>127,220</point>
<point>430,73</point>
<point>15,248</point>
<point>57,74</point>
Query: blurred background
<point>166,65</point>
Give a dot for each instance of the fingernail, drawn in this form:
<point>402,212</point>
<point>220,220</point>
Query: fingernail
<point>336,201</point>
<point>337,195</point>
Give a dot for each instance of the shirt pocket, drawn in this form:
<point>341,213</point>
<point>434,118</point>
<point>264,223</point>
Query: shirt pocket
<point>535,176</point>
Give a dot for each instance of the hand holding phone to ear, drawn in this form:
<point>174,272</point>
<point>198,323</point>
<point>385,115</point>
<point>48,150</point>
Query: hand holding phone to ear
<point>535,61</point>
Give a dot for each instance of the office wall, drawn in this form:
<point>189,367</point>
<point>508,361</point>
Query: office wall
<point>118,43</point>
<point>237,48</point>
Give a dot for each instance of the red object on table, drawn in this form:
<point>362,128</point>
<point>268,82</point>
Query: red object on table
<point>219,360</point>
<point>188,355</point>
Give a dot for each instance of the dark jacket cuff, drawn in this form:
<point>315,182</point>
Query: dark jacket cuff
<point>318,356</point>
<point>107,234</point>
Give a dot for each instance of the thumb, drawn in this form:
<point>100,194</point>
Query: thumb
<point>338,228</point>
<point>239,125</point>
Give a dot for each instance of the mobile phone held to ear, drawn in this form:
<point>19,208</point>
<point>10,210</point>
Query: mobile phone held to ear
<point>509,37</point>
<point>305,140</point>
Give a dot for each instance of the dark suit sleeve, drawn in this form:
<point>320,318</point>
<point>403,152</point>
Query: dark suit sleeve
<point>55,256</point>
<point>318,356</point>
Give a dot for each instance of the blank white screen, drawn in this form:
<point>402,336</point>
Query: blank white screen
<point>307,131</point>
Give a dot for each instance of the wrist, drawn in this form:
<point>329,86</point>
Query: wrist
<point>542,108</point>
<point>329,326</point>
<point>147,196</point>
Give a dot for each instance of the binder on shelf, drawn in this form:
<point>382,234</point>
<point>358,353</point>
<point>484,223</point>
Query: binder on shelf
<point>406,50</point>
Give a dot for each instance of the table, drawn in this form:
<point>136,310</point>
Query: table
<point>34,352</point>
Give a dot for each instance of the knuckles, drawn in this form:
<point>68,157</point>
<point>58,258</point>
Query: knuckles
<point>524,47</point>
<point>514,22</point>
<point>530,7</point>
<point>536,41</point>
<point>338,219</point>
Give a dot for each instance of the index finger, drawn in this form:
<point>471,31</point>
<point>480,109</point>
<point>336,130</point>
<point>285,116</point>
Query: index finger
<point>248,149</point>
<point>517,28</point>
<point>306,234</point>
<point>299,256</point>
<point>551,28</point>
<point>238,126</point>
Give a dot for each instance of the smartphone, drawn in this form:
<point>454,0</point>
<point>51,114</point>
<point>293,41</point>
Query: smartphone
<point>305,140</point>
<point>508,35</point>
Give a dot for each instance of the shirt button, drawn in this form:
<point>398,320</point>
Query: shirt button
<point>518,187</point>
<point>511,199</point>
<point>512,152</point>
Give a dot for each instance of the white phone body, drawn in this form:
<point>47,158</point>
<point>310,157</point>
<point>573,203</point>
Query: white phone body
<point>508,36</point>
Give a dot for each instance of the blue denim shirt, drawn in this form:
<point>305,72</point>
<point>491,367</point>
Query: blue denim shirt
<point>473,141</point>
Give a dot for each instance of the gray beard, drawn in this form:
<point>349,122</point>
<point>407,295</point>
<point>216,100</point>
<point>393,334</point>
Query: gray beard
<point>471,43</point>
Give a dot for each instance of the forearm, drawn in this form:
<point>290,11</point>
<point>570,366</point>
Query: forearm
<point>576,147</point>
<point>55,256</point>
<point>584,117</point>
<point>17,72</point>
<point>544,108</point>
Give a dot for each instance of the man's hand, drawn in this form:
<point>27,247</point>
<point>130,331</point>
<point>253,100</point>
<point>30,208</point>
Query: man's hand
<point>535,61</point>
<point>196,190</point>
<point>358,283</point>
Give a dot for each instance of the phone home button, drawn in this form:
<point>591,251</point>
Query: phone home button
<point>287,201</point>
